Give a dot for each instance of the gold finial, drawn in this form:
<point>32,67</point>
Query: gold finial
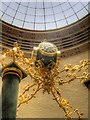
<point>15,44</point>
<point>45,40</point>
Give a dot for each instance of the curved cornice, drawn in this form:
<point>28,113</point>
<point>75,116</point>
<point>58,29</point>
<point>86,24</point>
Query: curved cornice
<point>66,38</point>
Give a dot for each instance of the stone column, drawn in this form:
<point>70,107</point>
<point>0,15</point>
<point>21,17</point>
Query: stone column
<point>87,84</point>
<point>11,77</point>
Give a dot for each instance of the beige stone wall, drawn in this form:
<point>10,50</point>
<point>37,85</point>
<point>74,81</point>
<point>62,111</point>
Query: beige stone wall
<point>43,106</point>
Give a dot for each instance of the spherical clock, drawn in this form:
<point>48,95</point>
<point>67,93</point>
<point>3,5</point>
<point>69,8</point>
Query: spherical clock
<point>46,52</point>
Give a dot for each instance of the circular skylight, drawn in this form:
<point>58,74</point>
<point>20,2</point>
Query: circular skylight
<point>42,15</point>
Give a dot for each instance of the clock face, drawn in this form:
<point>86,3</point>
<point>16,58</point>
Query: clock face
<point>47,52</point>
<point>47,48</point>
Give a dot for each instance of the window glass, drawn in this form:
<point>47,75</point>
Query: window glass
<point>43,14</point>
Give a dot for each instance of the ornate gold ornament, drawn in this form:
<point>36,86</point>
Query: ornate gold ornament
<point>47,76</point>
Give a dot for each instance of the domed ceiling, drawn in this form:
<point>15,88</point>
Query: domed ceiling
<point>43,15</point>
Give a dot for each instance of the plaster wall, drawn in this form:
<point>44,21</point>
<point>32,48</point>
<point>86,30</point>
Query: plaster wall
<point>43,106</point>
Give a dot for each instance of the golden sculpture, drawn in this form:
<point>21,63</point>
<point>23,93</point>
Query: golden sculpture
<point>48,82</point>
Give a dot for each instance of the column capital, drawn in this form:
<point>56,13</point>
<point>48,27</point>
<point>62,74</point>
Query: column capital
<point>13,71</point>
